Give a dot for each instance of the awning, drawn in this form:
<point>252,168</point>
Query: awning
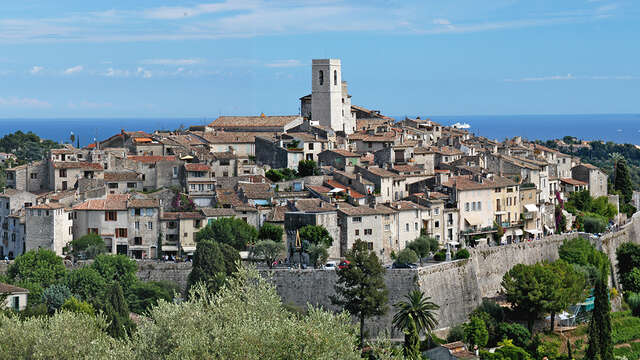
<point>472,222</point>
<point>531,208</point>
<point>169,248</point>
<point>519,232</point>
<point>453,243</point>
<point>548,229</point>
<point>534,231</point>
<point>336,190</point>
<point>501,213</point>
<point>188,248</point>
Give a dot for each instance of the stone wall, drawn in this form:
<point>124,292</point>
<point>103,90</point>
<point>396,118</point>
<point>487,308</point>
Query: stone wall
<point>170,271</point>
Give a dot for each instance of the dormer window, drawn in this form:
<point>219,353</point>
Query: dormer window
<point>321,77</point>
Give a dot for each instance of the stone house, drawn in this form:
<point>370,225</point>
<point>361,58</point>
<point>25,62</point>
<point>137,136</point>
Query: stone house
<point>311,144</point>
<point>312,212</point>
<point>157,171</point>
<point>373,223</point>
<point>530,211</point>
<point>16,297</point>
<point>408,222</point>
<point>339,159</point>
<point>446,154</point>
<point>242,143</point>
<point>48,226</point>
<point>120,182</point>
<point>199,183</point>
<point>212,214</point>
<point>274,153</point>
<point>374,140</point>
<point>178,232</point>
<point>32,177</point>
<point>15,239</point>
<point>389,185</point>
<point>569,185</point>
<point>593,176</point>
<point>64,175</point>
<point>473,199</point>
<point>128,226</point>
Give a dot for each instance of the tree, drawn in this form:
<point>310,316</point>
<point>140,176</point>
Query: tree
<point>268,250</point>
<point>89,243</point>
<point>308,168</point>
<point>622,181</point>
<point>633,300</point>
<point>565,288</point>
<point>208,266</point>
<point>423,245</point>
<point>475,332</point>
<point>145,294</point>
<point>600,343</point>
<point>318,254</point>
<point>269,231</point>
<point>506,351</point>
<point>415,315</point>
<point>462,254</point>
<point>514,332</point>
<point>580,251</point>
<point>315,234</point>
<point>524,288</point>
<point>77,306</point>
<point>41,267</point>
<point>86,284</point>
<point>407,256</point>
<point>54,297</point>
<point>117,312</point>
<point>628,256</point>
<point>116,268</point>
<point>361,289</point>
<point>231,231</point>
<point>231,258</point>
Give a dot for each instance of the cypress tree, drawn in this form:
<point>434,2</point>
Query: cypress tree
<point>593,349</point>
<point>622,181</point>
<point>603,307</point>
<point>117,312</point>
<point>569,355</point>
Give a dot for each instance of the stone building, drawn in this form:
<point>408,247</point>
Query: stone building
<point>12,204</point>
<point>274,153</point>
<point>374,224</point>
<point>48,226</point>
<point>120,182</point>
<point>199,183</point>
<point>157,171</point>
<point>596,178</point>
<point>64,175</point>
<point>312,212</point>
<point>179,230</point>
<point>32,177</point>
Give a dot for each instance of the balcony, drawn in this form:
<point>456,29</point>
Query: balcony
<point>528,216</point>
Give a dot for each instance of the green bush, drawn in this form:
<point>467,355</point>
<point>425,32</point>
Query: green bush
<point>54,296</point>
<point>515,332</point>
<point>594,223</point>
<point>456,333</point>
<point>462,254</point>
<point>440,255</point>
<point>407,256</point>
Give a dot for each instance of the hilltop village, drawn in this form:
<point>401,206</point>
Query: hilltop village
<point>354,171</point>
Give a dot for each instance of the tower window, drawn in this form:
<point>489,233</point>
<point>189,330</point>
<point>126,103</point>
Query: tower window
<point>321,77</point>
<point>335,77</point>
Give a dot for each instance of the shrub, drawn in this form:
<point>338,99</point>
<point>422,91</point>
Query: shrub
<point>594,223</point>
<point>407,256</point>
<point>475,332</point>
<point>515,332</point>
<point>462,254</point>
<point>456,333</point>
<point>440,255</point>
<point>54,296</point>
<point>77,306</point>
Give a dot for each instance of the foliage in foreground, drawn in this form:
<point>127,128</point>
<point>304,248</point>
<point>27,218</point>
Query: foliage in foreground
<point>244,320</point>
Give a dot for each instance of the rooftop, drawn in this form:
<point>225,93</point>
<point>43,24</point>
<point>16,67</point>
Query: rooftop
<point>253,121</point>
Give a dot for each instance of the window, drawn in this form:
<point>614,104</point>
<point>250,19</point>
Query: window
<point>499,190</point>
<point>436,211</point>
<point>479,205</point>
<point>368,231</point>
<point>92,230</point>
<point>34,175</point>
<point>387,227</point>
<point>198,224</point>
<point>321,77</point>
<point>62,172</point>
<point>436,224</point>
<point>186,234</point>
<point>16,303</point>
<point>310,146</point>
<point>415,225</point>
<point>357,232</point>
<point>406,227</point>
<point>357,219</point>
<point>172,225</point>
<point>113,185</point>
<point>335,77</point>
<point>466,206</point>
<point>111,216</point>
<point>64,185</point>
<point>131,185</point>
<point>136,212</point>
<point>70,230</point>
<point>175,171</point>
<point>13,237</point>
<point>473,206</point>
<point>137,240</point>
<point>370,245</point>
<point>121,232</point>
<point>137,225</point>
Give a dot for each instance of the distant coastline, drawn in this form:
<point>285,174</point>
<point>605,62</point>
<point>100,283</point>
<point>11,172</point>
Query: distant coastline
<point>618,128</point>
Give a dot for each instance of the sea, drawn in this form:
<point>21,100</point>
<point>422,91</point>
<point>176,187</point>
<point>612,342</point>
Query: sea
<point>618,128</point>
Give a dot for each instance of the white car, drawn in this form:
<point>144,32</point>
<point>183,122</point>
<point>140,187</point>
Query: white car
<point>331,265</point>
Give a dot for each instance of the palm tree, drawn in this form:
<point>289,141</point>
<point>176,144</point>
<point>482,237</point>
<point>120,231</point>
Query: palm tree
<point>417,314</point>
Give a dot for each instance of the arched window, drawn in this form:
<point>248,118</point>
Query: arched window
<point>321,77</point>
<point>335,77</point>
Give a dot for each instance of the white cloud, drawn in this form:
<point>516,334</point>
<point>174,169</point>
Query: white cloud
<point>73,70</point>
<point>36,69</point>
<point>176,62</point>
<point>111,72</point>
<point>143,72</point>
<point>14,101</point>
<point>179,12</point>
<point>284,63</point>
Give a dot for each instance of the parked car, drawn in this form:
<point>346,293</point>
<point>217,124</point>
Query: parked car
<point>331,265</point>
<point>404,266</point>
<point>343,264</point>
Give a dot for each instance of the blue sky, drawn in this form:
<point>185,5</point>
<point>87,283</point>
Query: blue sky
<point>202,59</point>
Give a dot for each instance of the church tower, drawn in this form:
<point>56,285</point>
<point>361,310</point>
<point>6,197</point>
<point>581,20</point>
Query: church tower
<point>326,94</point>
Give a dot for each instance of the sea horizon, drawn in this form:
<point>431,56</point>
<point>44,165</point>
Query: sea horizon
<point>618,128</point>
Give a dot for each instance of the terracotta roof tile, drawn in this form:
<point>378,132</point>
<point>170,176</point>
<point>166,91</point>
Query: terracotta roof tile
<point>143,203</point>
<point>150,158</point>
<point>112,202</point>
<point>77,165</point>
<point>253,121</point>
<point>182,215</point>
<point>351,210</point>
<point>10,289</point>
<point>466,183</point>
<point>197,167</point>
<point>573,181</point>
<point>120,176</point>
